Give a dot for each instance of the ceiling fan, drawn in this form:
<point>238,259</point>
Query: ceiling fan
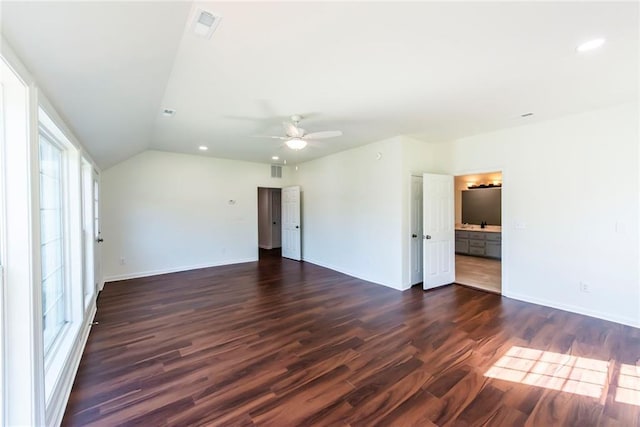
<point>296,138</point>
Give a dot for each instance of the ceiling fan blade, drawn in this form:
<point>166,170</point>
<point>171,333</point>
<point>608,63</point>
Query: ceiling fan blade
<point>269,136</point>
<point>292,130</point>
<point>324,134</point>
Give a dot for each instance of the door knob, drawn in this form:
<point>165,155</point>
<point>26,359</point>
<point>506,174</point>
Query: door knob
<point>414,235</point>
<point>99,240</point>
<point>297,226</point>
<point>427,237</point>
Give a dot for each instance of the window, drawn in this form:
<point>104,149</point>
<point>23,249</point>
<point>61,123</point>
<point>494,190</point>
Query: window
<point>52,247</point>
<point>96,210</point>
<point>87,231</point>
<point>41,285</point>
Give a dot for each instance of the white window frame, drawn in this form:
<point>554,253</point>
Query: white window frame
<point>88,232</point>
<point>3,250</point>
<point>64,207</point>
<point>56,356</point>
<point>23,361</point>
<point>31,395</point>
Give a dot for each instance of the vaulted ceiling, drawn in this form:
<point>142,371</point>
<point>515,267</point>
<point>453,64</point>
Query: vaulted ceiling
<point>433,70</point>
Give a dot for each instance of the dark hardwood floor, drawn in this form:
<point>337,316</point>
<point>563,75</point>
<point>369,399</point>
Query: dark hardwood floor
<point>282,343</point>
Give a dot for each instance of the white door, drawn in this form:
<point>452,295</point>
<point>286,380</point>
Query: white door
<point>416,229</point>
<point>291,222</point>
<point>276,221</point>
<point>438,229</point>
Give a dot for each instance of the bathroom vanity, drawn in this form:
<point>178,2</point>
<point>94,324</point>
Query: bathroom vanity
<point>484,242</point>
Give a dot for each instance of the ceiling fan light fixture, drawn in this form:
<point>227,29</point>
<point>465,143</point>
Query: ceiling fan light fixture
<point>296,143</point>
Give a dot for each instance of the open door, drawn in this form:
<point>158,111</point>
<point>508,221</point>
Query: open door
<point>291,223</point>
<point>439,230</point>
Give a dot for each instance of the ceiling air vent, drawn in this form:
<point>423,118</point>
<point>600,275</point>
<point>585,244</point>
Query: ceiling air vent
<point>276,171</point>
<point>205,23</point>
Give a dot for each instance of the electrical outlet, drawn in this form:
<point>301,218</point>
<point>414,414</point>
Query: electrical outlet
<point>584,287</point>
<point>122,261</point>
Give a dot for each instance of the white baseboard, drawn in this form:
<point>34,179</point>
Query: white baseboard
<point>137,275</point>
<point>350,273</point>
<point>60,398</point>
<point>575,309</point>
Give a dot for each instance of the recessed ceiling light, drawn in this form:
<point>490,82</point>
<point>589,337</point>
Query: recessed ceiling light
<point>168,112</point>
<point>590,45</point>
<point>275,158</point>
<point>203,148</point>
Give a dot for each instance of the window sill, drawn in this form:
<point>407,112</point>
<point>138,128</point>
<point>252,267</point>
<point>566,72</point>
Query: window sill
<point>57,358</point>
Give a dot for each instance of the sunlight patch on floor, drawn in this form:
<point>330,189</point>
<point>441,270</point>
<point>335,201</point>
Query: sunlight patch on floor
<point>628,390</point>
<point>556,371</point>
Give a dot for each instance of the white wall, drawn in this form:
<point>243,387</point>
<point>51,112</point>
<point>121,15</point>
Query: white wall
<point>570,209</point>
<point>170,212</point>
<point>571,183</point>
<point>352,212</point>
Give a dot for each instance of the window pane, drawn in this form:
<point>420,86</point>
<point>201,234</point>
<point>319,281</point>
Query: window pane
<point>51,258</point>
<point>49,192</point>
<point>49,226</point>
<point>51,240</point>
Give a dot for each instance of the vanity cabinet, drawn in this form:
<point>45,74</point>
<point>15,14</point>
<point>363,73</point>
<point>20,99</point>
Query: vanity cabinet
<point>493,249</point>
<point>479,243</point>
<point>462,242</point>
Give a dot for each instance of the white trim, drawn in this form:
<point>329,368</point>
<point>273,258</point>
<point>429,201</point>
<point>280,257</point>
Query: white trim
<point>60,396</point>
<point>12,61</point>
<point>349,273</point>
<point>24,370</point>
<point>140,274</point>
<point>574,309</point>
<point>3,251</point>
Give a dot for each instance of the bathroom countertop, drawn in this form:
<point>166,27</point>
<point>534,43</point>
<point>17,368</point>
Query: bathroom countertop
<point>474,227</point>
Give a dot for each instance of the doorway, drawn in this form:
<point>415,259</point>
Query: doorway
<point>416,230</point>
<point>478,230</point>
<point>269,221</point>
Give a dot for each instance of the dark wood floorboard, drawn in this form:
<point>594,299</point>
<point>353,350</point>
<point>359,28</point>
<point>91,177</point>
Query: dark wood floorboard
<point>284,343</point>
